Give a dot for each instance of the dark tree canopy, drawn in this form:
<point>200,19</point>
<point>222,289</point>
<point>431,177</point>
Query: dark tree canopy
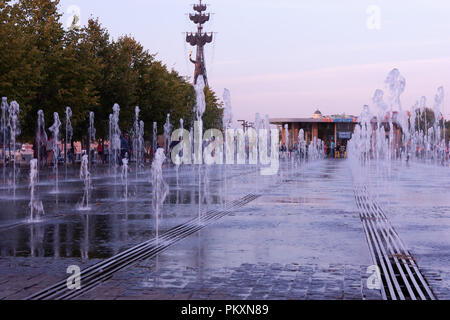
<point>43,66</point>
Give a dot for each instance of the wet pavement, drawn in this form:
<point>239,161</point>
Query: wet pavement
<point>302,239</point>
<point>260,281</point>
<point>416,197</point>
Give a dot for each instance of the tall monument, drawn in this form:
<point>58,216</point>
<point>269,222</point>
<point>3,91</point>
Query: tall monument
<point>199,39</point>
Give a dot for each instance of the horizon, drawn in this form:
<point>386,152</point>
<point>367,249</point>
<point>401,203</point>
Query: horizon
<point>325,56</point>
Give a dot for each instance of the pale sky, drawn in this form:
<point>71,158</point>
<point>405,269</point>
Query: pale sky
<point>287,58</point>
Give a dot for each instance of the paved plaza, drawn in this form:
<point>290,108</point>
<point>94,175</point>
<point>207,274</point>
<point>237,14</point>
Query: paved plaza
<point>301,239</point>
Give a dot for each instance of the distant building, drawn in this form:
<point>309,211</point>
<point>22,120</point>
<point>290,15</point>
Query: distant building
<point>337,128</point>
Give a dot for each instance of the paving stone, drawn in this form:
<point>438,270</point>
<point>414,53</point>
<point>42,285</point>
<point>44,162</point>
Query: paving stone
<point>270,282</point>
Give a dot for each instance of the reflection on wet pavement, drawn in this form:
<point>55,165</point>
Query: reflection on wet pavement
<point>306,216</point>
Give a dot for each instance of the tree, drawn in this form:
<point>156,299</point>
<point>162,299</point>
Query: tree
<point>40,25</point>
<point>424,120</point>
<point>21,62</point>
<point>43,66</point>
<point>212,118</point>
<point>96,45</point>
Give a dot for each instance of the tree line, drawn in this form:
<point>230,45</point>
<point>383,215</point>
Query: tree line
<point>425,119</point>
<point>45,66</point>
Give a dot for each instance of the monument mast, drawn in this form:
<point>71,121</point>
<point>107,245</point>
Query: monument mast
<point>199,40</point>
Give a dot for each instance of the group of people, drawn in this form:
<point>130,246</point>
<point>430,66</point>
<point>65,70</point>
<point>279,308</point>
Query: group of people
<point>44,149</point>
<point>292,151</point>
<point>333,150</point>
<point>104,152</point>
<point>330,149</point>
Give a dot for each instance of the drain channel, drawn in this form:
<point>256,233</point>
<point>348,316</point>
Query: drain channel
<point>95,275</point>
<point>401,278</point>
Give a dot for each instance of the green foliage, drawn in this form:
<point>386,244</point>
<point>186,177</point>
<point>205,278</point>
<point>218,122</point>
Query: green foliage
<point>43,66</point>
<point>425,120</point>
<point>212,118</point>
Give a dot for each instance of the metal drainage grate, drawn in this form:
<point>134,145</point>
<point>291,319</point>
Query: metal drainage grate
<point>401,278</point>
<point>95,275</point>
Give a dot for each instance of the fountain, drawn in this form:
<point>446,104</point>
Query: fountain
<point>396,84</point>
<point>286,130</point>
<point>136,135</point>
<point>124,176</point>
<point>258,126</point>
<point>160,188</point>
<point>115,136</point>
<point>55,130</point>
<point>227,121</point>
<point>155,137</point>
<point>92,133</point>
<point>177,156</point>
<point>41,137</point>
<point>86,177</point>
<point>141,143</point>
<point>316,150</point>
<point>200,105</point>
<point>258,122</point>
<point>4,130</point>
<point>267,122</point>
<point>301,146</point>
<point>191,141</point>
<point>439,126</point>
<point>200,108</point>
<point>35,204</point>
<point>135,132</point>
<point>167,133</point>
<point>390,133</point>
<point>269,135</point>
<point>138,140</point>
<point>13,124</point>
<point>69,135</point>
<point>177,172</point>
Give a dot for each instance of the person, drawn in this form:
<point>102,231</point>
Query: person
<point>124,148</point>
<point>173,144</point>
<point>100,151</point>
<point>130,145</point>
<point>337,152</point>
<point>70,155</point>
<point>39,146</point>
<point>106,153</point>
<point>73,153</point>
<point>49,151</point>
<point>332,149</point>
<point>92,154</point>
<point>342,151</point>
<point>283,150</point>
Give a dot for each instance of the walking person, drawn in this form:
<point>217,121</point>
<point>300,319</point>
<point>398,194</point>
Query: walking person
<point>49,148</point>
<point>124,149</point>
<point>100,151</point>
<point>333,146</point>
